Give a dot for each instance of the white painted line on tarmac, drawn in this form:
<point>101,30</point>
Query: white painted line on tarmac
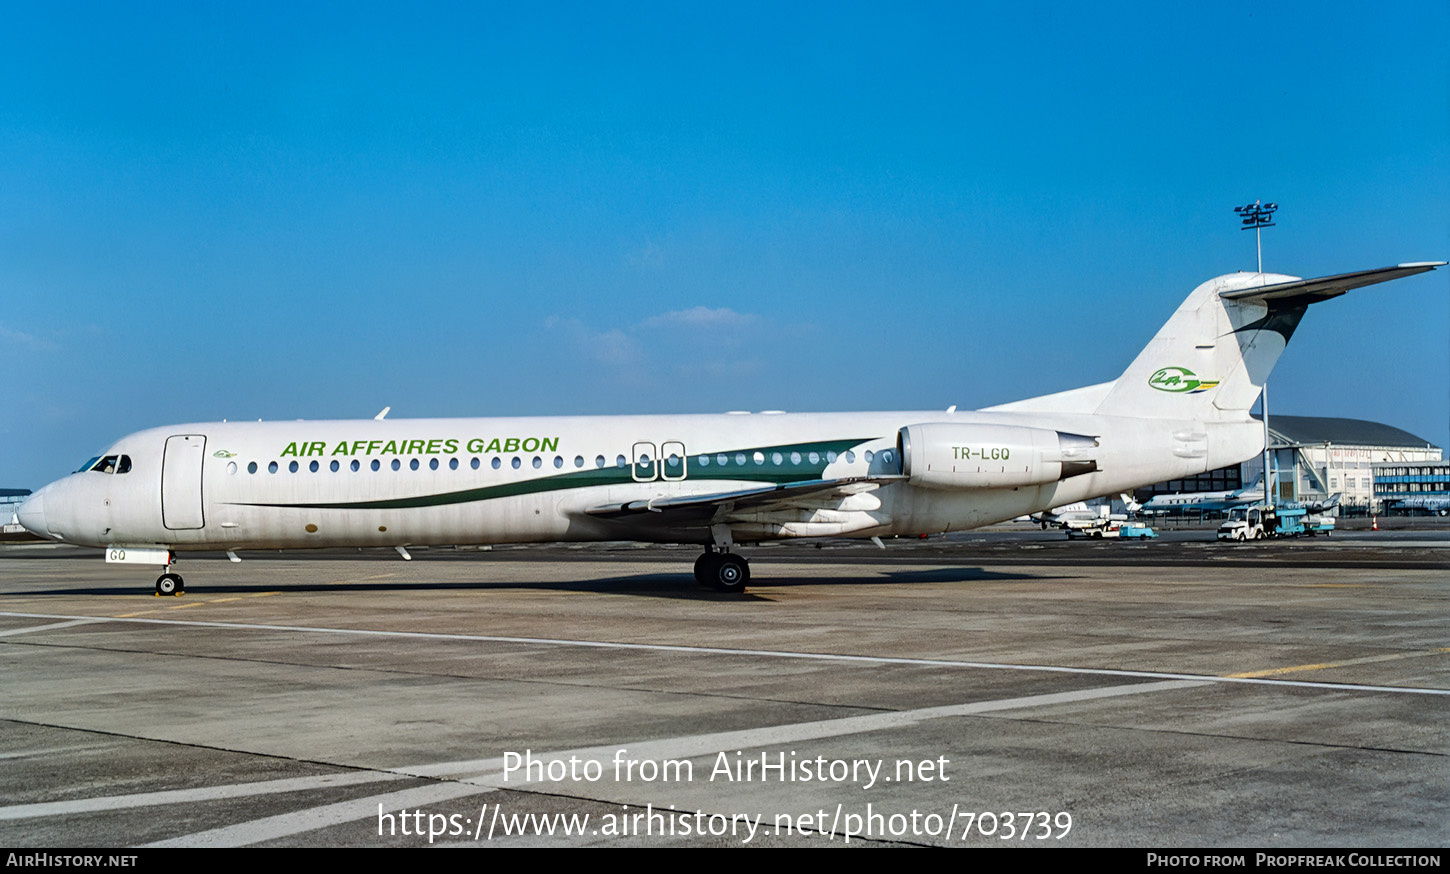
<point>50,627</point>
<point>286,824</point>
<point>762,653</point>
<point>191,796</point>
<point>488,773</point>
<point>50,751</point>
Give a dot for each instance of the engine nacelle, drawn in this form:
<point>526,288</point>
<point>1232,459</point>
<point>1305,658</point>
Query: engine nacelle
<point>945,455</point>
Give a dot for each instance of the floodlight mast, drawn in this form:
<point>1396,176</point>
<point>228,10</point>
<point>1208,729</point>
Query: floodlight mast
<point>1257,215</point>
<point>1269,477</point>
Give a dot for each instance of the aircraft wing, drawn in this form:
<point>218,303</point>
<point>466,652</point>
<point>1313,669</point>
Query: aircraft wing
<point>1307,291</point>
<point>701,509</point>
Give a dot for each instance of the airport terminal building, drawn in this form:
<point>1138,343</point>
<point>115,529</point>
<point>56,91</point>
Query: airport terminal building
<point>1398,480</point>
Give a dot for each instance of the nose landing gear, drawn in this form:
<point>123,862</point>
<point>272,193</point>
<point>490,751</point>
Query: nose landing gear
<point>169,583</point>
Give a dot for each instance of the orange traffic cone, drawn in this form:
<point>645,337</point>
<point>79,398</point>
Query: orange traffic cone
<point>1376,525</point>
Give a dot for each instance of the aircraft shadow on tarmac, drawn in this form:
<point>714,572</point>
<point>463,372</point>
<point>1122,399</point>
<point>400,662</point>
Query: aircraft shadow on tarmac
<point>678,586</point>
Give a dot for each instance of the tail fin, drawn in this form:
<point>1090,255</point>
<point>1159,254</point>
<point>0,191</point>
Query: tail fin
<point>1210,361</point>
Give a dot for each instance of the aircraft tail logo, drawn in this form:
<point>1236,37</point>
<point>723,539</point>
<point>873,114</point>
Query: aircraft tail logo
<point>1179,380</point>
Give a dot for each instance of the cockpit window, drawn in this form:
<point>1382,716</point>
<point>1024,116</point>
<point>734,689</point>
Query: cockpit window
<point>89,464</point>
<point>111,464</point>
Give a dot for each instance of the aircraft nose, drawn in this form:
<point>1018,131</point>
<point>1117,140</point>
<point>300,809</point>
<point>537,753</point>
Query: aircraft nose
<point>31,514</point>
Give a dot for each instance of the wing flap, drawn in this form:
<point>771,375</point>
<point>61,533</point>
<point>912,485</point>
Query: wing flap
<point>678,509</point>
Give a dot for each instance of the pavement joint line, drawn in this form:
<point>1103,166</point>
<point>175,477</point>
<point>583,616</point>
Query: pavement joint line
<point>487,774</point>
<point>760,653</point>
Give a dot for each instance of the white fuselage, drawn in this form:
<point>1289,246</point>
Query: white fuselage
<point>240,485</point>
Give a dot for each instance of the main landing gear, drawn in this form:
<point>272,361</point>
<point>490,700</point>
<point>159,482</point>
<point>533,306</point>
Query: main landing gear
<point>719,568</point>
<point>722,571</point>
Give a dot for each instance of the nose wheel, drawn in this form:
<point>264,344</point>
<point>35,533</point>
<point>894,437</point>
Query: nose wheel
<point>170,584</point>
<point>722,571</point>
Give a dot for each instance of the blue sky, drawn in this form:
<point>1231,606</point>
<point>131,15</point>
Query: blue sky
<point>243,211</point>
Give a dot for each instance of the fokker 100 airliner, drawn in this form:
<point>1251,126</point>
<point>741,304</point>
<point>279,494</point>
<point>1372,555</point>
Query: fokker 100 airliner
<point>1181,408</point>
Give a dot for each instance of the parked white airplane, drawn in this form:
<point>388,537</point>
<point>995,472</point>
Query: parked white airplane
<point>1429,503</point>
<point>1087,514</point>
<point>1181,408</point>
<point>1253,493</point>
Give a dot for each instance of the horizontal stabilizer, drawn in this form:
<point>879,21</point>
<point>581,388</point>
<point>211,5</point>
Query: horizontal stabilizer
<point>1306,291</point>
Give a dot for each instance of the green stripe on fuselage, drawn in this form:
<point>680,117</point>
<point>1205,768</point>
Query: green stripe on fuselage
<point>768,471</point>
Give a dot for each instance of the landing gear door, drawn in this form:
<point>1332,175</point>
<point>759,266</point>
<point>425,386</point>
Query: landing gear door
<point>181,482</point>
